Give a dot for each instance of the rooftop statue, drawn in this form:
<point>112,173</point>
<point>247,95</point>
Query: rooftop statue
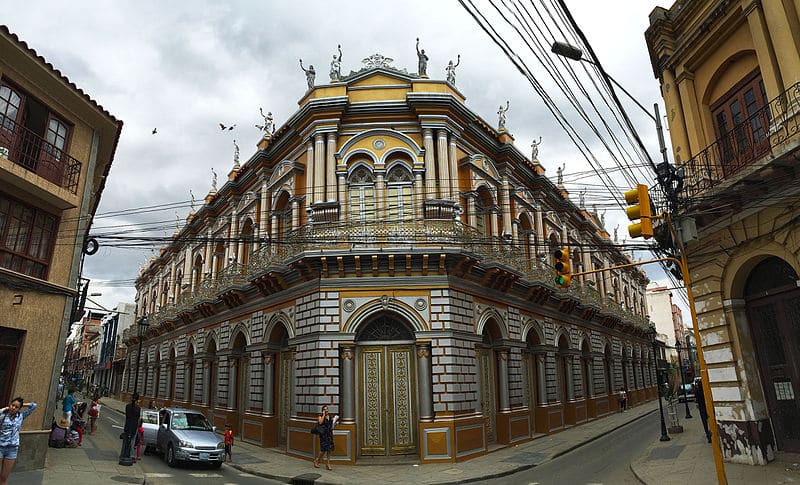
<point>501,116</point>
<point>535,149</point>
<point>451,70</point>
<point>423,61</point>
<point>311,74</point>
<point>336,66</point>
<point>268,127</point>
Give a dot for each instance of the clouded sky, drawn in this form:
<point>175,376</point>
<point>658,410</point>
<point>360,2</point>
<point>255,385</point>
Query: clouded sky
<point>185,67</point>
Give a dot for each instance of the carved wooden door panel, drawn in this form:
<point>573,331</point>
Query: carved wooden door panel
<point>284,395</point>
<point>487,392</point>
<point>387,400</point>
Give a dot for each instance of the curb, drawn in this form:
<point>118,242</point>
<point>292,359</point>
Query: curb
<point>633,470</point>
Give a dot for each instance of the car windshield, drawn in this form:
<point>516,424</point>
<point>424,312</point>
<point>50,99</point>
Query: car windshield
<point>190,421</point>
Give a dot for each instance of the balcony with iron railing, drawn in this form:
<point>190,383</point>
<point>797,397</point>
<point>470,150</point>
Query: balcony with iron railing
<point>331,239</point>
<point>29,150</point>
<point>765,135</point>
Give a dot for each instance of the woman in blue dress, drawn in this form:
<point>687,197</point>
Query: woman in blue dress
<point>10,423</point>
<point>325,438</point>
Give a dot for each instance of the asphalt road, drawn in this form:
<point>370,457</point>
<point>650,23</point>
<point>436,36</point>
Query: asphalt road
<point>603,461</point>
<point>156,470</point>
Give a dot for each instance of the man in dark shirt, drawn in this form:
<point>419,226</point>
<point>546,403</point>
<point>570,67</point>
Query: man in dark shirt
<point>132,413</point>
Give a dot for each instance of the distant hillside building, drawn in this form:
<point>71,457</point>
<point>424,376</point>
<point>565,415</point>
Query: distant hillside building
<point>387,252</point>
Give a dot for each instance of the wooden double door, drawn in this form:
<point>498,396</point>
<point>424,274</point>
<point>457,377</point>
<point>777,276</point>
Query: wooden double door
<point>387,400</point>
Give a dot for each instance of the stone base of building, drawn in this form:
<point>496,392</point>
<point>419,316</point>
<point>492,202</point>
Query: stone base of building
<point>747,442</point>
<point>32,450</point>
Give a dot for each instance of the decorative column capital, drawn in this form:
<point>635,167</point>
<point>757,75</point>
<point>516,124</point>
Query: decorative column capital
<point>347,352</point>
<point>267,357</point>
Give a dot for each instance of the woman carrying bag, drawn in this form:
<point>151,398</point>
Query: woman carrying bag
<point>324,428</point>
<point>10,423</point>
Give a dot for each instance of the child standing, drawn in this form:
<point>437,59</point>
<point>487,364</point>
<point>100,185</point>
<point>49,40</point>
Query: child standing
<point>228,443</point>
<point>139,439</point>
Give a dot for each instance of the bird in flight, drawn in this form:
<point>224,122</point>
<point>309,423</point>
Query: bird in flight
<point>155,130</point>
<point>223,127</point>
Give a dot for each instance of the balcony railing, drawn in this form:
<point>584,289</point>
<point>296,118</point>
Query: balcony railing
<point>749,141</point>
<point>29,150</point>
<point>425,235</point>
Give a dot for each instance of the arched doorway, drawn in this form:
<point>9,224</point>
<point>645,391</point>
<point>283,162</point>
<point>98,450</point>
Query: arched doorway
<point>386,386</point>
<point>773,311</point>
<point>278,395</point>
<point>210,377</point>
<point>188,372</point>
<point>171,372</point>
<point>564,370</point>
<point>534,368</point>
<point>487,376</point>
<point>238,383</point>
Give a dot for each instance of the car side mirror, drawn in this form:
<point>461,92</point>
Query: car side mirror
<point>164,425</point>
<point>214,429</point>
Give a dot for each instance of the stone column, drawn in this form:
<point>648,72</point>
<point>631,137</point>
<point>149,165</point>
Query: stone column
<point>419,196</point>
<point>268,392</point>
<point>691,112</point>
<point>233,381</point>
<point>207,263</point>
<point>515,232</point>
<point>342,188</point>
<point>169,387</point>
<point>380,198</point>
<point>587,265</point>
<point>275,225</point>
<point>330,172</point>
<point>502,378</point>
<point>495,222</point>
<point>187,269</point>
<point>443,164</point>
<point>425,382</point>
<point>454,187</point>
<point>471,216</point>
<point>765,51</point>
<point>263,219</point>
<point>309,174</point>
<point>295,213</point>
<point>541,378</point>
<point>236,248</point>
<point>505,206</point>
<point>206,383</point>
<point>569,378</point>
<point>347,393</point>
<point>430,168</point>
<point>540,229</point>
<point>319,167</point>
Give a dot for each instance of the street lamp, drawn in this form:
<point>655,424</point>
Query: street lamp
<point>683,380</point>
<point>652,333</point>
<point>670,179</point>
<point>125,457</point>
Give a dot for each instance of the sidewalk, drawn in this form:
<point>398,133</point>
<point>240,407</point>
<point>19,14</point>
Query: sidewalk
<point>90,464</point>
<point>273,464</point>
<point>689,459</point>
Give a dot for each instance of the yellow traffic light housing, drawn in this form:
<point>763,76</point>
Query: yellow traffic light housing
<point>638,201</point>
<point>563,268</point>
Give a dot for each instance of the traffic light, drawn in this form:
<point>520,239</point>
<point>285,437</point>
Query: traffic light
<point>639,208</point>
<point>562,266</point>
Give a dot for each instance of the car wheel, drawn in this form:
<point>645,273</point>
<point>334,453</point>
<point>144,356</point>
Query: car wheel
<point>169,456</point>
<point>216,464</point>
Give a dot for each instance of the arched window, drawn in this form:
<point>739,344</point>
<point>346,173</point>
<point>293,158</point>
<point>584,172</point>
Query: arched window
<point>399,195</point>
<point>361,186</point>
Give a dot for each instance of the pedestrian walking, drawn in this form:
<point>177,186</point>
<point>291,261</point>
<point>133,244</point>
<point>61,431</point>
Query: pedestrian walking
<point>94,413</point>
<point>68,404</point>
<point>228,443</point>
<point>324,427</point>
<point>700,399</point>
<point>11,418</point>
<point>623,400</point>
<point>132,416</point>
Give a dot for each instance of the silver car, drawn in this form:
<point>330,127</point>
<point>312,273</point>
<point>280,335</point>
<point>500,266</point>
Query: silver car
<point>186,435</point>
<point>150,425</point>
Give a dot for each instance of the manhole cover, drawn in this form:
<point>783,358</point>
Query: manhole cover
<point>122,479</point>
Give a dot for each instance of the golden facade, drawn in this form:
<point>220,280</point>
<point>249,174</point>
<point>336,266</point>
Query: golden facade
<point>386,252</point>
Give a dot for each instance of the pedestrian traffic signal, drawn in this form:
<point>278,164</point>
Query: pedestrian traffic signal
<point>639,208</point>
<point>562,266</point>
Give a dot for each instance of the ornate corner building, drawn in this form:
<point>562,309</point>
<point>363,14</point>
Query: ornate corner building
<point>56,148</point>
<point>386,252</point>
<point>730,77</point>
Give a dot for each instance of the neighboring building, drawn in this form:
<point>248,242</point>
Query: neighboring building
<point>386,252</point>
<point>106,376</point>
<point>730,77</point>
<point>56,148</point>
<point>668,319</point>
